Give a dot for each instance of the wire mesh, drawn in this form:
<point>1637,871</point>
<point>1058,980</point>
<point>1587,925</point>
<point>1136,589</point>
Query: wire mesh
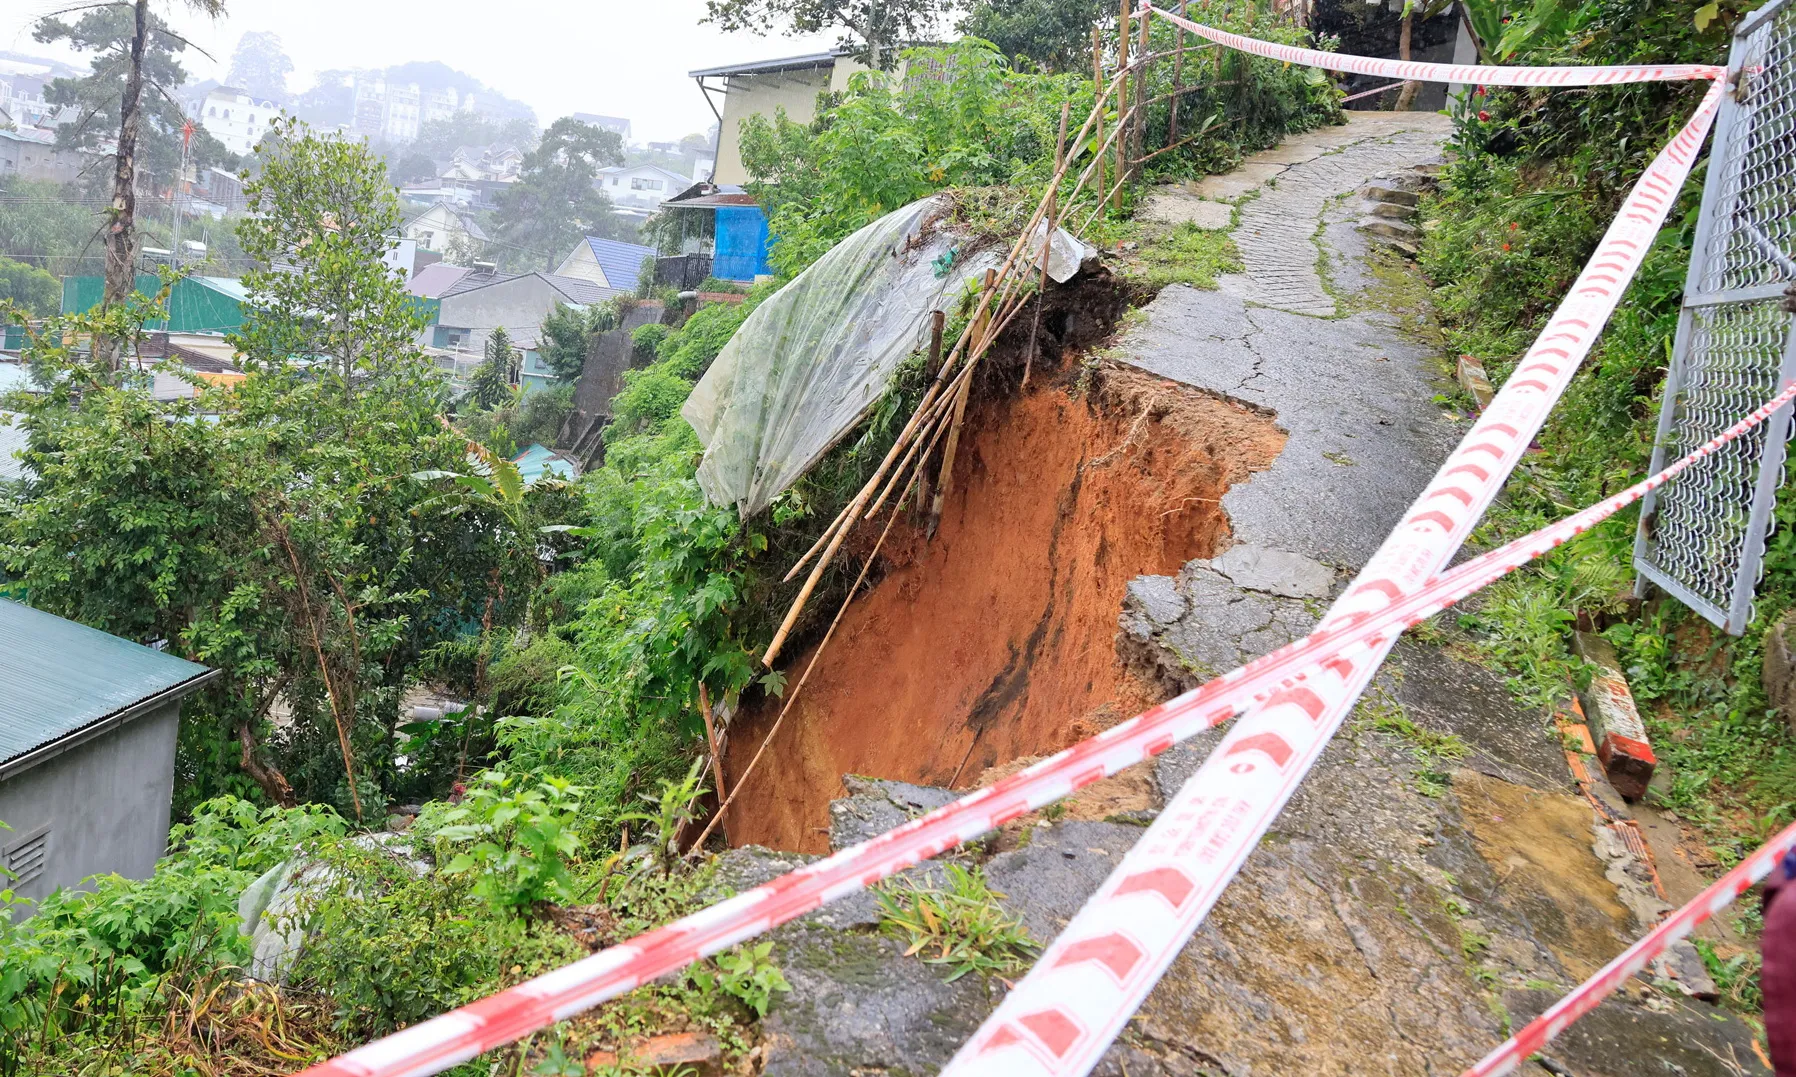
<point>1757,168</point>
<point>1699,523</point>
<point>1702,535</point>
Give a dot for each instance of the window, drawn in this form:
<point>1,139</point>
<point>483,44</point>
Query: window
<point>227,114</point>
<point>614,181</point>
<point>26,857</point>
<point>252,119</point>
<point>643,183</point>
<point>213,111</point>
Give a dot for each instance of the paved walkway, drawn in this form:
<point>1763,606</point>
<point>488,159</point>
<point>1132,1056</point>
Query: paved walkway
<point>1294,183</point>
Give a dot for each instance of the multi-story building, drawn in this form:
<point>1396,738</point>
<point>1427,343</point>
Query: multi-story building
<point>235,118</point>
<point>404,113</point>
<point>440,104</point>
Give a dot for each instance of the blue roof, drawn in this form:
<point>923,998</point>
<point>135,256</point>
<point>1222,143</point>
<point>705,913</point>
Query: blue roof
<point>58,677</point>
<point>537,462</point>
<point>622,262</point>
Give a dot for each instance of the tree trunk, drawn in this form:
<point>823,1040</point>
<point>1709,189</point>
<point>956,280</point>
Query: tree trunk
<point>1406,97</point>
<point>272,781</point>
<point>121,236</point>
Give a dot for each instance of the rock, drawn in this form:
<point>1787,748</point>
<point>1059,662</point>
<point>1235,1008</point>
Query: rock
<point>1779,673</point>
<point>876,805</point>
<point>1682,967</point>
<point>1158,598</point>
<point>690,1054</point>
<point>1276,572</point>
<point>1047,881</point>
<point>1393,210</point>
<point>1474,380</point>
<point>1624,1037</point>
<point>1381,226</point>
<point>857,1005</point>
<point>1621,743</point>
<point>1391,193</point>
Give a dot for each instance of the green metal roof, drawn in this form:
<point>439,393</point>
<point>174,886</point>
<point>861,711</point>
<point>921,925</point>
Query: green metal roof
<point>58,678</point>
<point>195,304</point>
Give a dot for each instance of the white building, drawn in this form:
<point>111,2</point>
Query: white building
<point>235,118</point>
<point>404,113</point>
<point>639,190</point>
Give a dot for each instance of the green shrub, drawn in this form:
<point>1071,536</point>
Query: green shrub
<point>518,836</point>
<point>645,341</point>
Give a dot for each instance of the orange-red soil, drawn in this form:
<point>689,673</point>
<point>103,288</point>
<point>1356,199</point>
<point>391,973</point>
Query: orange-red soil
<point>996,640</point>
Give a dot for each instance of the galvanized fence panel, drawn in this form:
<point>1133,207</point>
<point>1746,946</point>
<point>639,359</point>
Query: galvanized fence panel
<point>1702,536</point>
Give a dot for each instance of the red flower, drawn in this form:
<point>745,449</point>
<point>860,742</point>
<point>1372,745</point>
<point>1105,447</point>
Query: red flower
<point>1505,246</point>
<point>1479,91</point>
<point>1483,116</point>
<point>1513,225</point>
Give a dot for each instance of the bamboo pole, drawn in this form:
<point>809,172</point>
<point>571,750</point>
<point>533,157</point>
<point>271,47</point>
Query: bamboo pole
<point>1122,97</point>
<point>704,709</point>
<point>786,707</point>
<point>1178,76</point>
<point>1138,137</point>
<point>981,330</point>
<point>1097,69</point>
<point>1047,243</point>
<point>839,528</point>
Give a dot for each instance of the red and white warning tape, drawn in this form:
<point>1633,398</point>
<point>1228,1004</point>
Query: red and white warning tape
<point>1717,896</point>
<point>1416,71</point>
<point>1298,684</point>
<point>1063,1015</point>
<point>510,1015</point>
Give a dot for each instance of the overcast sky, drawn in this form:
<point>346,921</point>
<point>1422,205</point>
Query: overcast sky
<point>614,57</point>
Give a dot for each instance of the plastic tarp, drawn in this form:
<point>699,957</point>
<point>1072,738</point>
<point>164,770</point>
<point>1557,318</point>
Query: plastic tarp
<point>817,355</point>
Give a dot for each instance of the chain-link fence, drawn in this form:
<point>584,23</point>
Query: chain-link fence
<point>1702,537</point>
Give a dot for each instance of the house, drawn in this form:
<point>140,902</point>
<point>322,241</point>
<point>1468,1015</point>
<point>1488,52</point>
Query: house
<point>486,299</point>
<point>88,724</point>
<point>32,153</point>
<point>235,118</point>
<point>638,190</point>
<point>762,88</point>
<point>441,225</point>
<point>617,124</point>
<point>608,263</point>
<point>204,363</point>
<point>433,280</point>
<point>726,223</point>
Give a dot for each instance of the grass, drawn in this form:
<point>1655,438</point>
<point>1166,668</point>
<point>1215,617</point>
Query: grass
<point>1432,751</point>
<point>1186,255</point>
<point>961,925</point>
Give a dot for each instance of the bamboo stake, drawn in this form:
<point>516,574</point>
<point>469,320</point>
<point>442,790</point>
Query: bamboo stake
<point>981,330</point>
<point>1097,68</point>
<point>838,529</point>
<point>704,708</point>
<point>1047,243</point>
<point>1178,75</point>
<point>786,707</point>
<point>1138,136</point>
<point>1122,97</point>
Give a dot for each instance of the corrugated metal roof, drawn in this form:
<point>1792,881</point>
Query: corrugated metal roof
<point>581,291</point>
<point>622,262</point>
<point>759,67</point>
<point>58,677</point>
<point>435,279</point>
<point>539,461</point>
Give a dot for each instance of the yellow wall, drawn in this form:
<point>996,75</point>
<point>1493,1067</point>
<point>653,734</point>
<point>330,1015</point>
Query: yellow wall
<point>752,95</point>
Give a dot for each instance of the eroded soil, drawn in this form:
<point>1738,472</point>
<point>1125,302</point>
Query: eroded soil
<point>996,639</point>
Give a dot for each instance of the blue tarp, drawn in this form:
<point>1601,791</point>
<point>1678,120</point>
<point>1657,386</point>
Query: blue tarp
<point>741,251</point>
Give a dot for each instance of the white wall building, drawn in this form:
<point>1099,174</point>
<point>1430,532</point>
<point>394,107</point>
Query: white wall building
<point>235,118</point>
<point>639,190</point>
